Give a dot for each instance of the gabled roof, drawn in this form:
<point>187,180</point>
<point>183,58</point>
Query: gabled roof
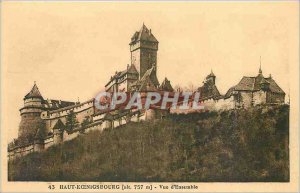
<point>143,35</point>
<point>229,92</point>
<point>274,86</point>
<point>147,85</point>
<point>254,84</point>
<point>69,107</point>
<point>150,74</point>
<point>56,104</point>
<point>246,83</point>
<point>34,93</point>
<point>148,82</point>
<point>130,70</point>
<point>59,125</point>
<point>166,86</point>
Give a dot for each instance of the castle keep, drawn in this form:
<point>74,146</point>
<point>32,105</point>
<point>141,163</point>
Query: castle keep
<point>142,71</point>
<point>45,122</point>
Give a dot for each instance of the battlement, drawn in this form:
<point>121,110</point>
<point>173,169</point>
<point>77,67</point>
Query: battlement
<point>62,112</point>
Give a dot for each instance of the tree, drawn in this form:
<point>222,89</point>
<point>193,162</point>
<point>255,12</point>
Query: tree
<point>71,122</point>
<point>177,88</point>
<point>190,87</point>
<point>84,123</point>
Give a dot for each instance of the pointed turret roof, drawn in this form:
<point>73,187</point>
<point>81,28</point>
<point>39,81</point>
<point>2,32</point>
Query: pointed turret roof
<point>211,74</point>
<point>34,93</point>
<point>132,69</point>
<point>59,125</point>
<point>260,71</point>
<point>144,34</point>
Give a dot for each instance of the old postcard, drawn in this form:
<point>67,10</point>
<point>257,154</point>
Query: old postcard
<point>149,96</point>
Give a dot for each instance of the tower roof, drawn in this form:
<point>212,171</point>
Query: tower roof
<point>260,71</point>
<point>34,93</point>
<point>144,34</point>
<point>211,74</point>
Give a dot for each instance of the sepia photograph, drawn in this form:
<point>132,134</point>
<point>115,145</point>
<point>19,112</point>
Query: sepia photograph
<point>150,96</point>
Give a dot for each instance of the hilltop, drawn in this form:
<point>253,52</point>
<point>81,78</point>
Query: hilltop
<point>236,145</point>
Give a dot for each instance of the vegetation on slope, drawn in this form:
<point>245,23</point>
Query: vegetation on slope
<point>237,145</point>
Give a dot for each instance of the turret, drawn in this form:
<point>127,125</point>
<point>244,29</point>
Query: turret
<point>211,78</point>
<point>31,120</point>
<point>33,101</point>
<point>58,131</point>
<point>38,144</point>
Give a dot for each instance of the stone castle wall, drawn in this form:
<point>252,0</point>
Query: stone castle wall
<point>30,123</point>
<point>259,97</point>
<point>56,138</point>
<point>20,151</point>
<point>100,122</point>
<point>209,105</point>
<point>275,97</point>
<point>82,110</point>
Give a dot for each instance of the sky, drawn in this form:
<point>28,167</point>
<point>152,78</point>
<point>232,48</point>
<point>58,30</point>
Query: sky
<point>72,48</point>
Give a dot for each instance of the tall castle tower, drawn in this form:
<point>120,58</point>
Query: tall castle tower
<point>143,48</point>
<point>31,122</point>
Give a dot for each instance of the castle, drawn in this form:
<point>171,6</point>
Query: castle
<point>45,122</point>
